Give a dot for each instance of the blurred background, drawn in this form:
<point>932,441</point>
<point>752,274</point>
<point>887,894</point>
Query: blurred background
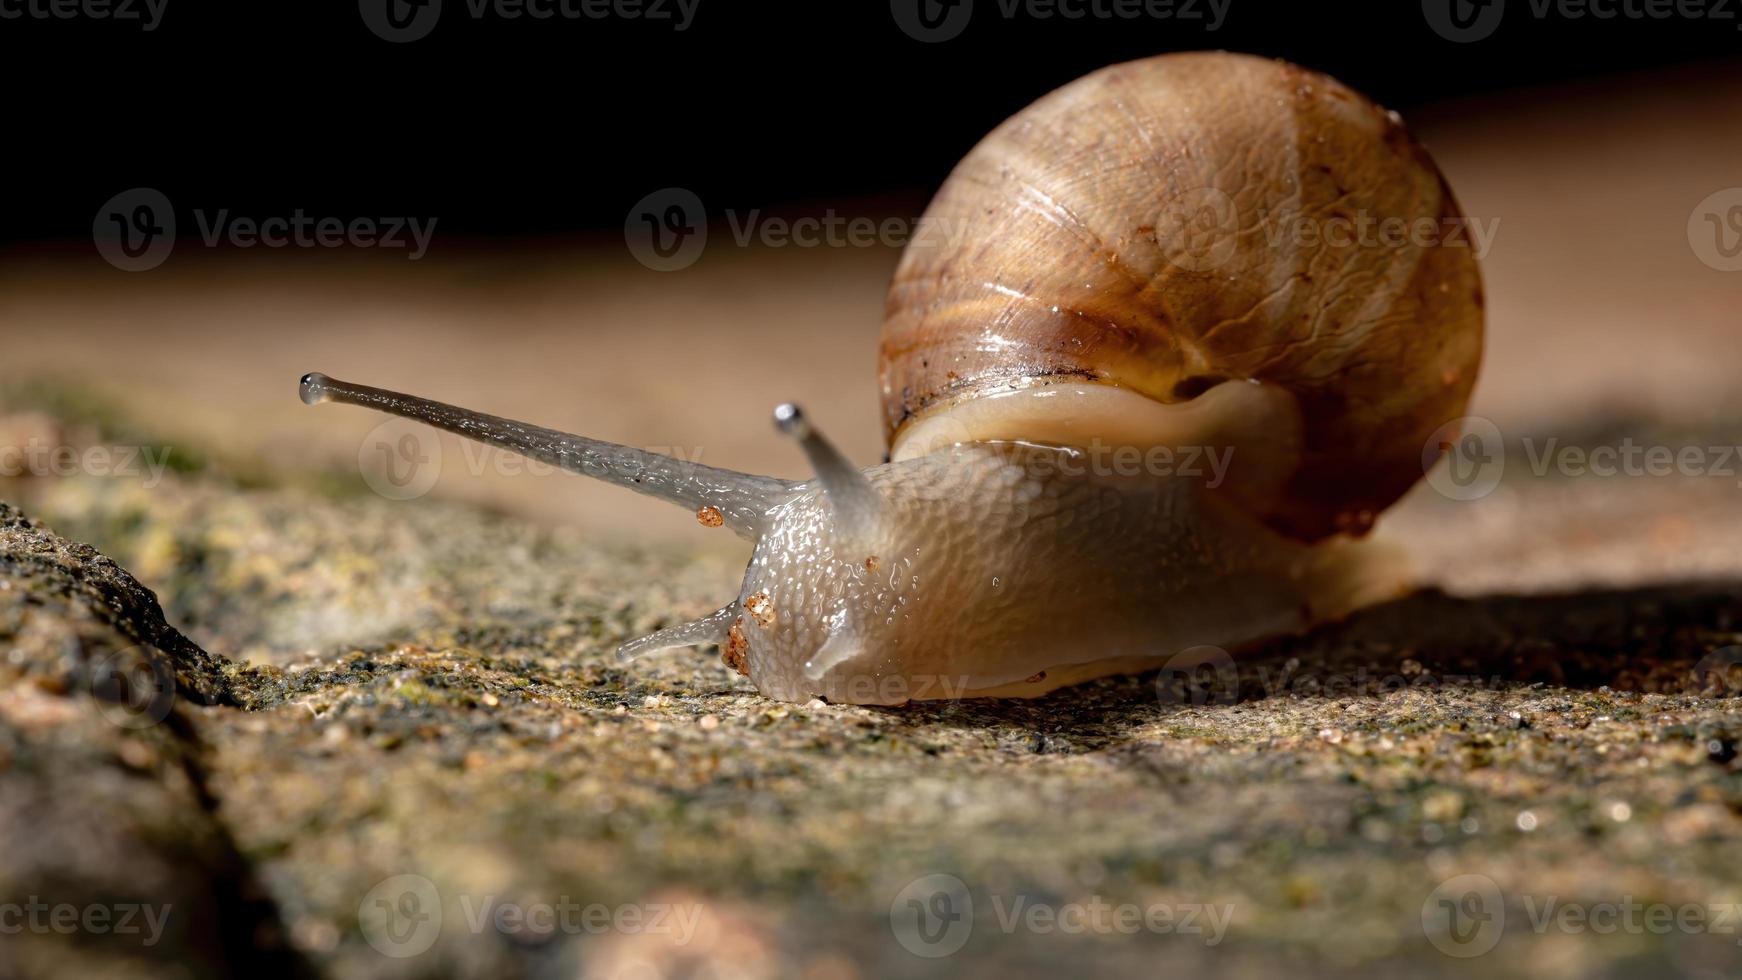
<point>519,157</point>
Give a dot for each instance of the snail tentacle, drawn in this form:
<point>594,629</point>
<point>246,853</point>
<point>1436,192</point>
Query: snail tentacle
<point>743,499</point>
<point>712,628</point>
<point>840,647</point>
<point>853,502</point>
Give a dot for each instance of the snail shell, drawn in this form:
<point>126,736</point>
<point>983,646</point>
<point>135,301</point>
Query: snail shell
<point>1137,229</point>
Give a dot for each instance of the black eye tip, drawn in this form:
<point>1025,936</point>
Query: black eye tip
<point>789,418</point>
<point>312,388</point>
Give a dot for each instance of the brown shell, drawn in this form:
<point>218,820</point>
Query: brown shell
<point>1163,225</point>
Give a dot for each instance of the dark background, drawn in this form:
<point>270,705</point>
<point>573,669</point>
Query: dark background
<point>523,127</point>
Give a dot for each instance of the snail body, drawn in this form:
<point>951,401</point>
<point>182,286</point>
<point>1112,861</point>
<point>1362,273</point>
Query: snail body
<point>1124,418</point>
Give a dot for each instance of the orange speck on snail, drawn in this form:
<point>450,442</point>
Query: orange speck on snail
<point>871,563</point>
<point>736,655</point>
<point>761,609</point>
<point>710,517</point>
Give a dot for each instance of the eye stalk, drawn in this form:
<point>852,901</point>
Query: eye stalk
<point>858,513</point>
<point>855,505</point>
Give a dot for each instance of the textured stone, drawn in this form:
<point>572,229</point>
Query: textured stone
<point>415,703</point>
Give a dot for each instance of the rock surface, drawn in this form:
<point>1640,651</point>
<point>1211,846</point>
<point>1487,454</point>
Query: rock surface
<point>408,753</point>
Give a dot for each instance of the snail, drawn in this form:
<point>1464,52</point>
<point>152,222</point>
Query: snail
<point>1110,298</point>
